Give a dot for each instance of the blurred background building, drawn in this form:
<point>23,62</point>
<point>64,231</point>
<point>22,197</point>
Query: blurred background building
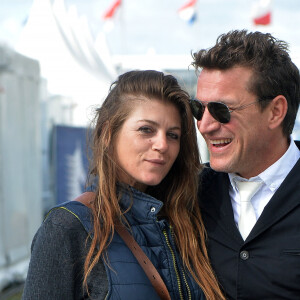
<point>57,61</point>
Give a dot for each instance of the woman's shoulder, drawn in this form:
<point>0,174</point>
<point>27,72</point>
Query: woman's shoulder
<point>60,227</point>
<point>70,215</point>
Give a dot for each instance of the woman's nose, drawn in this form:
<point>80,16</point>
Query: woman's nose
<point>160,142</point>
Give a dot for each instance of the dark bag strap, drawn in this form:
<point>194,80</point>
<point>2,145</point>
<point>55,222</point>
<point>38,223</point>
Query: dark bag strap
<point>143,260</point>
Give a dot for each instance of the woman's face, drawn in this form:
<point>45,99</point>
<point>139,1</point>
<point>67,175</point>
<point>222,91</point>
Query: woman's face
<point>148,143</point>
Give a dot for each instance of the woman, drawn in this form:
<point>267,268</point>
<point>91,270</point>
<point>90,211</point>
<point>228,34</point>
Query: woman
<point>145,161</point>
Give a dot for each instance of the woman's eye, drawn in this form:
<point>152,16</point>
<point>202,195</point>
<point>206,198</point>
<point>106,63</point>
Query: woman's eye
<point>145,129</point>
<point>173,136</point>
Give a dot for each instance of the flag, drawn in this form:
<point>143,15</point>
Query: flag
<point>262,12</point>
<point>187,12</point>
<point>112,10</point>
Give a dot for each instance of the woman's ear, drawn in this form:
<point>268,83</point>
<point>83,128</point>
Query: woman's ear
<point>278,109</point>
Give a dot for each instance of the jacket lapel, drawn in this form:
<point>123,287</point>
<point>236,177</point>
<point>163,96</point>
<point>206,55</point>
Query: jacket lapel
<point>216,204</point>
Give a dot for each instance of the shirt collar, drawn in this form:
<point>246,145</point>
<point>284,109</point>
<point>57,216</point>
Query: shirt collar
<point>276,173</point>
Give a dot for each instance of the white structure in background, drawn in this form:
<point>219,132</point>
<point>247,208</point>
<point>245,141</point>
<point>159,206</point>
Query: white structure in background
<point>76,68</point>
<point>20,161</point>
<point>91,54</point>
<point>71,84</point>
<point>74,63</point>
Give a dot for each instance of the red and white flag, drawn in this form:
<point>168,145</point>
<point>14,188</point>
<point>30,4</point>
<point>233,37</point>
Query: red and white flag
<point>112,10</point>
<point>262,12</point>
<point>187,12</point>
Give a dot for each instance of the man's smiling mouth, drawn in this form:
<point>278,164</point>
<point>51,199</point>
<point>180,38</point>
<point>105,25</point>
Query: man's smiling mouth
<point>220,143</point>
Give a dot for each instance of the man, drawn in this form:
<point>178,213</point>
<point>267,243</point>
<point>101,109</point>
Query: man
<point>247,101</point>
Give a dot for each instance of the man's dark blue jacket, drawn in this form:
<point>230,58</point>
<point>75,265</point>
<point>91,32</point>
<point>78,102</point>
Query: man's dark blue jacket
<point>266,265</point>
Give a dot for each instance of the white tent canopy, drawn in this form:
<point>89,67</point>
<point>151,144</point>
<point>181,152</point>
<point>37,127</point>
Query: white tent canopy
<point>70,60</point>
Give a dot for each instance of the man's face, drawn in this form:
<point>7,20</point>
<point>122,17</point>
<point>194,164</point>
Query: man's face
<point>241,146</point>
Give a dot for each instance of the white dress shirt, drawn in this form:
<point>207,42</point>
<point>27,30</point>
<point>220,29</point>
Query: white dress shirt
<point>271,178</point>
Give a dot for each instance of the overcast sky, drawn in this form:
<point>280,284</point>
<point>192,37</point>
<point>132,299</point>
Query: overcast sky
<point>154,25</point>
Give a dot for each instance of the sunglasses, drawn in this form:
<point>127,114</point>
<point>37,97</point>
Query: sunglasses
<point>218,110</point>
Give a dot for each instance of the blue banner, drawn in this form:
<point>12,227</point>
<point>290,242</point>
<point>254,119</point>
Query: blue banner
<point>71,163</point>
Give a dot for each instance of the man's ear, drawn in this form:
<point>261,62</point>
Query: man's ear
<point>278,109</point>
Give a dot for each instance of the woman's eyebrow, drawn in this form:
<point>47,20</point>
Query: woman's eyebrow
<point>155,123</point>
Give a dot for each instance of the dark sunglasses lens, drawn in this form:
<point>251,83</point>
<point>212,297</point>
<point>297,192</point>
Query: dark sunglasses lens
<point>197,109</point>
<point>219,111</point>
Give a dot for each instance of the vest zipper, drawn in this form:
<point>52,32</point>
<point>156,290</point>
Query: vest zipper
<point>182,271</point>
<point>186,284</point>
<point>174,264</point>
<point>176,267</point>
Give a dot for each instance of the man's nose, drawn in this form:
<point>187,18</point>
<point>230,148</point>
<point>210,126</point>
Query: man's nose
<point>208,123</point>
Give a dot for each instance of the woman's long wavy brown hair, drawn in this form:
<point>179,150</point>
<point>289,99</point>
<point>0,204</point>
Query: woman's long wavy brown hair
<point>178,190</point>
